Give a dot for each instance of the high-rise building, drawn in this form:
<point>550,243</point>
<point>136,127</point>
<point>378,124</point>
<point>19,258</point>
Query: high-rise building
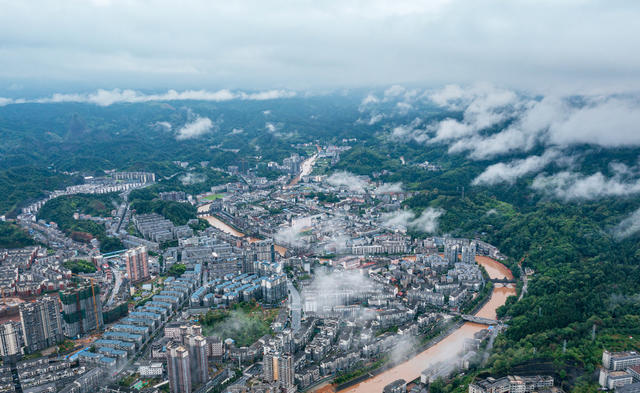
<point>10,339</point>
<point>469,253</point>
<point>278,367</point>
<point>137,264</point>
<point>178,368</point>
<point>451,252</point>
<point>265,250</point>
<point>269,372</point>
<point>81,310</point>
<point>286,371</point>
<point>41,324</point>
<point>198,362</point>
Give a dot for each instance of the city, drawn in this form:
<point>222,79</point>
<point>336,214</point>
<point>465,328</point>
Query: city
<point>337,196</point>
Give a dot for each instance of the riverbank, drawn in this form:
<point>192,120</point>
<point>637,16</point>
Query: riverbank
<point>446,346</point>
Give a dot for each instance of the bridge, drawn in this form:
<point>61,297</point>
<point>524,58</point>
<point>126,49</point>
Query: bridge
<point>502,281</point>
<point>480,320</point>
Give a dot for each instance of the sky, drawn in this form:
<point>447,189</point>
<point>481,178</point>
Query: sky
<point>49,46</point>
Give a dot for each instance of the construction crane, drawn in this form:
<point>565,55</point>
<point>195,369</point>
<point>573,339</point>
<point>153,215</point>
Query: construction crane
<point>93,297</point>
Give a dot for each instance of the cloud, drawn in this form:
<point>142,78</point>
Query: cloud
<point>510,172</point>
<point>411,131</point>
<point>272,127</point>
<point>393,92</point>
<point>484,106</point>
<point>550,121</point>
<point>237,131</point>
<point>116,96</point>
<point>368,101</point>
<point>405,219</point>
<point>611,122</point>
<point>195,129</point>
<point>575,186</point>
<point>400,219</point>
<point>164,125</point>
<point>348,180</point>
<point>305,44</point>
<point>428,220</point>
<point>291,235</point>
<point>389,188</point>
<point>628,227</point>
<point>192,178</point>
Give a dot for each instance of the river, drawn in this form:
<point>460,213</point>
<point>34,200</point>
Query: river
<point>448,347</point>
<point>226,228</point>
<point>305,169</point>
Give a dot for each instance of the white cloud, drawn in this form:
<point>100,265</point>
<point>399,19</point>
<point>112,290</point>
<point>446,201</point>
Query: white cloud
<point>237,131</point>
<point>272,127</point>
<point>510,172</point>
<point>348,180</point>
<point>192,178</point>
<point>393,92</point>
<point>575,186</point>
<point>195,129</point>
<point>451,129</point>
<point>555,121</point>
<point>627,227</point>
<point>291,235</point>
<point>116,96</point>
<point>610,122</point>
<point>428,220</point>
<point>400,219</point>
<point>403,108</point>
<point>368,101</point>
<point>389,188</point>
<point>164,125</point>
<point>405,219</point>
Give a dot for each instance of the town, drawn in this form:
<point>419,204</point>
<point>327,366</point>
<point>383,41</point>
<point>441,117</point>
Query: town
<point>274,285</point>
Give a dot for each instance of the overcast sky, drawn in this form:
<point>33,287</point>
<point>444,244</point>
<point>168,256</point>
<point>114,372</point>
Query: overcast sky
<point>80,45</point>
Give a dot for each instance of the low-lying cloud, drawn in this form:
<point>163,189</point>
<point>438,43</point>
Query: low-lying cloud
<point>116,96</point>
<point>165,125</point>
<point>348,180</point>
<point>555,121</point>
<point>388,188</point>
<point>405,219</point>
<point>195,129</point>
<point>628,227</point>
<point>512,171</point>
<point>192,178</point>
<point>568,185</point>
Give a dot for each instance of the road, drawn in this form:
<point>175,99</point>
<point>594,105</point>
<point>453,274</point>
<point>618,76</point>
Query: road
<point>117,274</point>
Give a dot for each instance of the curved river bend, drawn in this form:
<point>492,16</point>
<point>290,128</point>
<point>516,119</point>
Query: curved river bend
<point>448,347</point>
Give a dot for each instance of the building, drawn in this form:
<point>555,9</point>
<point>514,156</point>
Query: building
<point>198,361</point>
<point>619,369</point>
<point>512,384</point>
<point>41,324</point>
<point>178,368</point>
<point>215,347</point>
<point>10,339</point>
<point>137,263</point>
<point>81,310</point>
<point>286,371</point>
<point>150,370</point>
<point>397,386</point>
<point>610,379</point>
<point>619,361</point>
<point>278,367</point>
